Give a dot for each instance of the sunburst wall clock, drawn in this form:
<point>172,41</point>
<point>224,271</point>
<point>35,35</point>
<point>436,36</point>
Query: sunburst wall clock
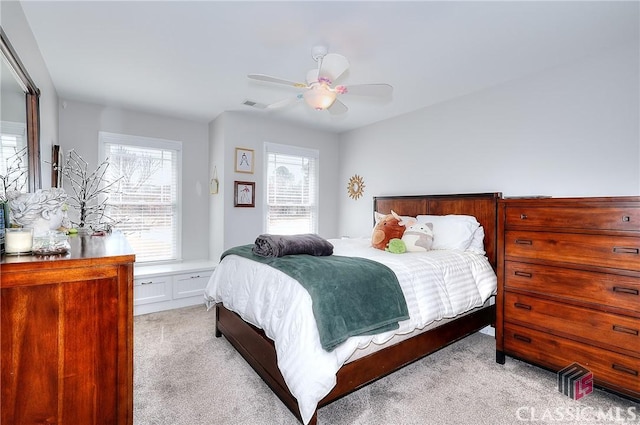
<point>355,188</point>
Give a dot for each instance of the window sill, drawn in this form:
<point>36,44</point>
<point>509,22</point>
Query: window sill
<point>171,268</point>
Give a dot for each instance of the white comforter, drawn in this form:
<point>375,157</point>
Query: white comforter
<point>436,285</point>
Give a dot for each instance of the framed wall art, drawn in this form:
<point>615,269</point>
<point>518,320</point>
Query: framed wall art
<point>244,194</point>
<point>244,160</point>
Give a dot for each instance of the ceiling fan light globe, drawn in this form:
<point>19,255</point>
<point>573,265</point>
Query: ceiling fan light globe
<point>319,97</point>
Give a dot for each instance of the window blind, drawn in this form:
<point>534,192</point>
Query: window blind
<point>13,156</point>
<point>146,200</point>
<point>292,189</point>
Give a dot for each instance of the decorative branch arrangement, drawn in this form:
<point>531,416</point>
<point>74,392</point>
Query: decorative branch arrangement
<point>88,192</point>
<point>15,177</point>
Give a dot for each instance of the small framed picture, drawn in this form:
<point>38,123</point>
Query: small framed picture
<point>244,160</point>
<point>244,194</point>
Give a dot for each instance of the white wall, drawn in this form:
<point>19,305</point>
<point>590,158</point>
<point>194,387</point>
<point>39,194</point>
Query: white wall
<point>17,29</point>
<point>569,131</point>
<point>217,201</point>
<point>247,130</point>
<point>79,126</point>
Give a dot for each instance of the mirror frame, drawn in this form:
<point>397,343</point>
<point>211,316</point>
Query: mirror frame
<point>32,99</point>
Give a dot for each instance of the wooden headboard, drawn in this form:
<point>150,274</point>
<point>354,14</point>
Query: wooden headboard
<point>483,206</point>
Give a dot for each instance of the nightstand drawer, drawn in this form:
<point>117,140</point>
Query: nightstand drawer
<point>597,327</point>
<point>603,289</point>
<point>604,218</point>
<point>611,369</point>
<point>596,250</point>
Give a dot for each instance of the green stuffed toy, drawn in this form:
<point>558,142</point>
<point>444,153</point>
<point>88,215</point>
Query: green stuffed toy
<point>396,246</point>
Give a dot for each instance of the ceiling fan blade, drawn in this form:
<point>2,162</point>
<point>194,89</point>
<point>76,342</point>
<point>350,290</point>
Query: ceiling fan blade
<point>379,90</point>
<point>337,108</point>
<point>312,76</point>
<point>269,79</point>
<point>333,66</point>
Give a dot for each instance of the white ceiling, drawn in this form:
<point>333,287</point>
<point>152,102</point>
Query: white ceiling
<point>190,59</point>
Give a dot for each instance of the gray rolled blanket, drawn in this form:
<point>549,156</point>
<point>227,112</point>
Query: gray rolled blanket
<point>279,245</point>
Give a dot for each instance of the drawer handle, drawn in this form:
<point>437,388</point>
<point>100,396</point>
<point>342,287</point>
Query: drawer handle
<point>195,277</point>
<point>523,274</point>
<point>625,250</point>
<point>146,283</point>
<point>623,290</point>
<point>626,218</point>
<point>525,242</point>
<point>624,369</point>
<point>522,338</point>
<point>625,330</point>
<point>522,306</point>
<point>523,216</point>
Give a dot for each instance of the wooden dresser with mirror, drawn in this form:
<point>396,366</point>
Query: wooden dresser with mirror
<point>67,335</point>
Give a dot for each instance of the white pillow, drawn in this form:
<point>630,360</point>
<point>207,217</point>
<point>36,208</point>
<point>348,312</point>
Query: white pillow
<point>451,231</point>
<point>477,243</point>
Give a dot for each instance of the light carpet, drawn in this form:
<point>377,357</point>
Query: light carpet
<point>184,375</point>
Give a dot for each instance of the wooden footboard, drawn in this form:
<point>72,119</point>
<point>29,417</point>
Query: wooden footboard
<point>259,351</point>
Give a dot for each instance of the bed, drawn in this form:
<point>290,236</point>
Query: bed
<point>364,364</point>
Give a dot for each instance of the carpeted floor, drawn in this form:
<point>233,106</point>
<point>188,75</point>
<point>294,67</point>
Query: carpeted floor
<point>184,375</point>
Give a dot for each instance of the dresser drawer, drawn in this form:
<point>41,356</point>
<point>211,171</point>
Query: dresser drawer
<point>597,250</point>
<point>602,218</point>
<point>604,329</point>
<point>615,370</point>
<point>605,289</point>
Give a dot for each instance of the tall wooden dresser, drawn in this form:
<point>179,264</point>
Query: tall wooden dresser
<point>67,335</point>
<point>569,286</point>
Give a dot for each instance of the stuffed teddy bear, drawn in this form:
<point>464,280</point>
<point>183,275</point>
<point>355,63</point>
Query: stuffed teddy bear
<point>418,237</point>
<point>390,226</point>
<point>396,246</point>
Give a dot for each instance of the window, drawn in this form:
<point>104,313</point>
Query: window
<point>146,201</point>
<point>13,156</point>
<point>292,189</point>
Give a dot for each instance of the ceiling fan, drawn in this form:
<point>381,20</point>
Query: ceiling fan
<point>318,91</point>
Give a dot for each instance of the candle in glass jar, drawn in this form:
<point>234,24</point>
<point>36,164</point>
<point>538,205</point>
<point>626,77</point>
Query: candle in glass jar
<point>18,241</point>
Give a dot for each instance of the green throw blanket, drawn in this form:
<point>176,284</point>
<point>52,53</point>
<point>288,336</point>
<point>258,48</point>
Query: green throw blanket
<point>350,296</point>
